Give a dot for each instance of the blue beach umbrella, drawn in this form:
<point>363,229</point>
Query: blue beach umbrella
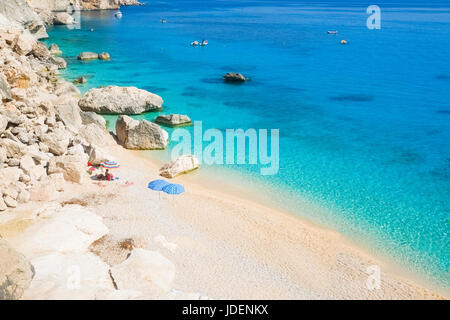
<point>173,189</point>
<point>157,185</point>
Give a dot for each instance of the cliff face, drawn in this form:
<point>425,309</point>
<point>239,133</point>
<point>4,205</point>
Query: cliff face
<point>16,11</point>
<point>62,5</point>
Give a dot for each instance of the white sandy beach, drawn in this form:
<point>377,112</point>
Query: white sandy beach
<point>223,247</point>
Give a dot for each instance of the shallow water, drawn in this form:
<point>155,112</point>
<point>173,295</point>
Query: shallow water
<point>364,128</point>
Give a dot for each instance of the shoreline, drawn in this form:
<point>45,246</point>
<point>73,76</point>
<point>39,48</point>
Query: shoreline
<point>224,191</point>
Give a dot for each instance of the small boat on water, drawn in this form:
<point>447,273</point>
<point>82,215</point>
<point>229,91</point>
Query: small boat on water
<point>204,43</point>
<point>118,14</point>
<point>333,32</point>
<point>163,20</point>
<point>194,43</point>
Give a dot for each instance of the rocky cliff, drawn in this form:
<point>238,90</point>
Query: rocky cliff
<point>62,5</point>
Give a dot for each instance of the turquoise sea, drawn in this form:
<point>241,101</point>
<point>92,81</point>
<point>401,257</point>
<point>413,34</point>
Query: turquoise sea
<point>364,127</point>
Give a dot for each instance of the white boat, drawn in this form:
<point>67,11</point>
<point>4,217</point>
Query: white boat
<point>194,43</point>
<point>332,32</point>
<point>118,15</point>
<point>204,43</point>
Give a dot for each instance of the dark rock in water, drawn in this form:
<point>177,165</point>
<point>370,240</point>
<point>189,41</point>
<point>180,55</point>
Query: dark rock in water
<point>173,120</point>
<point>234,77</point>
<point>354,98</point>
<point>104,56</point>
<point>80,80</point>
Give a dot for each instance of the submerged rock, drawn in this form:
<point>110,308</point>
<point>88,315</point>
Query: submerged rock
<point>234,77</point>
<point>88,56</point>
<point>173,120</point>
<point>183,164</point>
<point>80,80</point>
<point>120,100</point>
<point>140,135</point>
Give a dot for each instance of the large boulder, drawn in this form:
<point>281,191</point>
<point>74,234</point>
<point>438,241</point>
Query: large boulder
<point>63,18</point>
<point>69,114</point>
<point>146,271</point>
<point>16,272</point>
<point>173,120</point>
<point>24,43</point>
<point>96,135</point>
<point>67,89</point>
<point>88,56</point>
<point>97,155</point>
<point>73,167</point>
<point>14,149</point>
<point>143,135</point>
<point>57,141</point>
<point>91,117</point>
<point>183,164</point>
<point>120,100</point>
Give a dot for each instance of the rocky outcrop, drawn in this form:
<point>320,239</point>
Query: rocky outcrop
<point>16,272</point>
<point>173,120</point>
<point>18,11</point>
<point>234,77</point>
<point>44,140</point>
<point>181,165</point>
<point>120,100</point>
<point>133,134</point>
<point>62,5</point>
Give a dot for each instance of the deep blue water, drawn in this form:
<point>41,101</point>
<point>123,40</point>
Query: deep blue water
<point>364,128</point>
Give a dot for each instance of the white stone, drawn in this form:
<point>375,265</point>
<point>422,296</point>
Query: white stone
<point>120,100</point>
<point>182,164</point>
<point>145,271</point>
